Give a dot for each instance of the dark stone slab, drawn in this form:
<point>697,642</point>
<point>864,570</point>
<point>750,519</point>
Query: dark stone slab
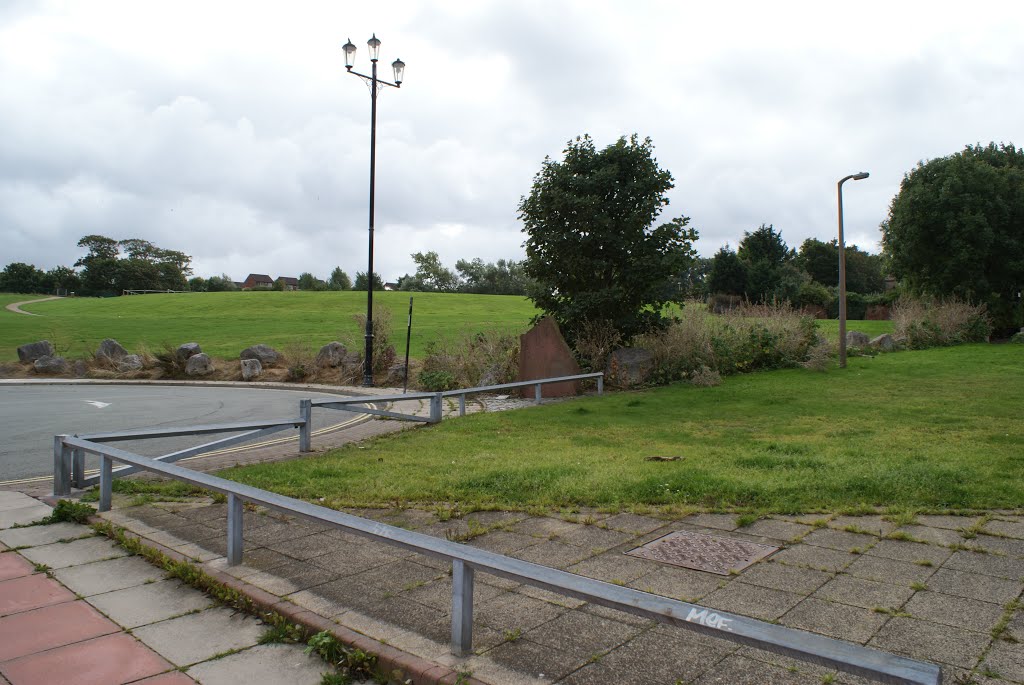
<point>543,353</point>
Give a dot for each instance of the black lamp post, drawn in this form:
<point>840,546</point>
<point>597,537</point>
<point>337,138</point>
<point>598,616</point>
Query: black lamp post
<point>375,85</point>
<point>842,270</point>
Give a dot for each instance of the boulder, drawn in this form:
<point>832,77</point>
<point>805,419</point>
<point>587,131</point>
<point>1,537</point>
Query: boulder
<point>857,339</point>
<point>251,368</point>
<point>80,368</point>
<point>396,374</point>
<point>884,342</point>
<point>50,364</point>
<point>189,349</point>
<point>199,365</point>
<point>267,355</point>
<point>629,366</point>
<point>132,362</point>
<point>543,353</point>
<point>332,354</point>
<point>33,351</point>
<point>111,351</point>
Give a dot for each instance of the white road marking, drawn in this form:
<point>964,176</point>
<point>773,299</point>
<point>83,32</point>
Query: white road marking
<point>98,405</point>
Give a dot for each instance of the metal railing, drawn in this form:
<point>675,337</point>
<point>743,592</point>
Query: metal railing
<point>537,392</point>
<point>466,561</point>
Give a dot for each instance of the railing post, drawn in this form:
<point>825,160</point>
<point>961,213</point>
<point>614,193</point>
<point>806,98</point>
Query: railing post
<point>61,467</point>
<point>78,468</point>
<point>106,482</point>
<point>462,608</point>
<point>536,394</point>
<point>234,530</point>
<point>435,408</point>
<point>306,430</point>
<point>600,384</point>
<point>462,404</point>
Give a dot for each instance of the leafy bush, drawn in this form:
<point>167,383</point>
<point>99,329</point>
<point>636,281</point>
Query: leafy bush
<point>922,323</point>
<point>594,342</point>
<point>486,358</point>
<point>813,294</point>
<point>752,337</point>
<point>705,377</point>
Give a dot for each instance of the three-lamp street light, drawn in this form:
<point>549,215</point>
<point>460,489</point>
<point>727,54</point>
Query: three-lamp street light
<point>376,85</point>
<point>842,269</point>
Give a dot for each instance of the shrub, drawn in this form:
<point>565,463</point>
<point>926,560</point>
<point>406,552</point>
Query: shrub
<point>813,294</point>
<point>595,340</point>
<point>300,362</point>
<point>921,323</point>
<point>705,377</point>
<point>383,350</point>
<point>486,358</point>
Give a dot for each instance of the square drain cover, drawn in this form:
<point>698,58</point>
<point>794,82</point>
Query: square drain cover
<point>703,552</point>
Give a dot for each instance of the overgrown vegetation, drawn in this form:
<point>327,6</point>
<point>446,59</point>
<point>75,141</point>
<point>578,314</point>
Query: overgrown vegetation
<point>921,323</point>
<point>67,511</point>
<point>485,358</point>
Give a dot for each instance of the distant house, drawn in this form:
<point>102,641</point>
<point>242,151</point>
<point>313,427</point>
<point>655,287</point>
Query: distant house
<point>257,281</point>
<point>390,286</point>
<point>289,282</point>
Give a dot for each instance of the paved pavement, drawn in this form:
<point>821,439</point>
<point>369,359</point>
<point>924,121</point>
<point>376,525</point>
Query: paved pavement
<point>76,608</point>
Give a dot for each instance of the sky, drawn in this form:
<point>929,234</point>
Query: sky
<point>231,131</point>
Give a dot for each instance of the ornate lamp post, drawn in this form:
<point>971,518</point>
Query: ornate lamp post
<point>842,270</point>
<point>376,85</point>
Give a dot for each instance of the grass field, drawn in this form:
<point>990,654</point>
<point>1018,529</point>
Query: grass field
<point>226,323</point>
<point>936,429</point>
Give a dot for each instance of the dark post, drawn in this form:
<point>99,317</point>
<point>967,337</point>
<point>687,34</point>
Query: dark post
<point>408,339</point>
<point>368,369</point>
<point>842,269</point>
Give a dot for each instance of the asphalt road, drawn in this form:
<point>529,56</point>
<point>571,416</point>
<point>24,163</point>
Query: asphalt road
<point>30,415</point>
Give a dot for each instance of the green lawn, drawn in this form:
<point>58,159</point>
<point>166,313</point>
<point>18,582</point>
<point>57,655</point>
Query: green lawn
<point>226,323</point>
<point>936,429</point>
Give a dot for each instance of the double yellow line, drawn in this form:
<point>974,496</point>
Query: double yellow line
<point>227,450</point>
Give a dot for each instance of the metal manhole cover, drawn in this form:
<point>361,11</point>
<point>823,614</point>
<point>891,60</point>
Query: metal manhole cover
<point>703,552</point>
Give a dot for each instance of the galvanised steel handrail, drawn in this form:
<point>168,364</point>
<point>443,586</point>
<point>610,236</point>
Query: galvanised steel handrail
<point>466,560</point>
<point>462,392</point>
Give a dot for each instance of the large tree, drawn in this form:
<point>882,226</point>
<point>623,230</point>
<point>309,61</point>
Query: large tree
<point>433,276</point>
<point>957,228</point>
<point>821,262</point>
<point>768,262</point>
<point>360,283</point>
<point>592,246</point>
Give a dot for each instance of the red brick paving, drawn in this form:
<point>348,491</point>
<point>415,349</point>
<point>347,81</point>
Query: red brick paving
<point>14,566</point>
<point>31,592</point>
<point>41,629</point>
<point>107,660</point>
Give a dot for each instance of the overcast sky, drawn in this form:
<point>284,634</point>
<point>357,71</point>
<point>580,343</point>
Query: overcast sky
<point>230,131</point>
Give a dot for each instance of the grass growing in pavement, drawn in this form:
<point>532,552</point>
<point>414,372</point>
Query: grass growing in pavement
<point>226,323</point>
<point>932,429</point>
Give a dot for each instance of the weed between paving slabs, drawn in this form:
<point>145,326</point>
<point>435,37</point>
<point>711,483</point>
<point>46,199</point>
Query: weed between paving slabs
<point>917,587</point>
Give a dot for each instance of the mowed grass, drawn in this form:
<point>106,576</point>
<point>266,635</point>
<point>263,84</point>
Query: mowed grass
<point>935,429</point>
<point>226,323</point>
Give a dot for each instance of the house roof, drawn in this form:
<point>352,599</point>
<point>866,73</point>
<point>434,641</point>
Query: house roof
<point>288,280</point>
<point>259,278</point>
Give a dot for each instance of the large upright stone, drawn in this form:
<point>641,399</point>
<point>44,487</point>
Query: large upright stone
<point>267,355</point>
<point>251,368</point>
<point>331,355</point>
<point>199,365</point>
<point>629,366</point>
<point>189,349</point>
<point>543,353</point>
<point>32,351</point>
<point>111,351</point>
<point>50,365</point>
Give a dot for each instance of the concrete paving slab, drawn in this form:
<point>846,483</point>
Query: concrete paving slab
<point>911,552</point>
<point>718,521</point>
<point>1012,529</point>
<point>987,564</point>
<point>38,630</point>
<point>839,539</point>
<point>583,633</point>
<point>26,513</point>
<point>957,612</point>
<point>34,536</point>
<point>262,665</point>
<point>753,600</point>
<point>106,576</point>
<point>926,640</point>
<point>192,638</point>
<point>536,660</point>
<point>512,611</point>
<point>999,545</point>
<point>117,658</point>
<point>144,604</point>
<point>613,567</point>
<point>13,566</point>
<point>974,586</point>
<point>290,578</point>
<point>841,621</point>
<point>306,546</point>
<point>12,499</point>
<point>872,524</point>
<point>64,554</point>
<point>737,670</point>
<point>170,678</point>
<point>864,593</point>
<point>634,524</point>
<point>1007,660</point>
<point>950,522</point>
<point>678,583</point>
<point>935,536</point>
<point>31,592</point>
<point>820,558</point>
<point>783,531</point>
<point>803,581</point>
<point>553,553</point>
<point>889,571</point>
<point>504,542</point>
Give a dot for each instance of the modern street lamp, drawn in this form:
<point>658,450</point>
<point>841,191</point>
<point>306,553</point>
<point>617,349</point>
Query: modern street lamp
<point>376,85</point>
<point>842,270</point>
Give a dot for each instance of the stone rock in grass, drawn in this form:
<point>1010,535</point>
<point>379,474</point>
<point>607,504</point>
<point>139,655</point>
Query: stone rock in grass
<point>331,355</point>
<point>251,368</point>
<point>884,342</point>
<point>111,351</point>
<point>267,355</point>
<point>857,339</point>
<point>132,362</point>
<point>50,365</point>
<point>30,352</point>
<point>199,365</point>
<point>396,374</point>
<point>629,366</point>
<point>189,349</point>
